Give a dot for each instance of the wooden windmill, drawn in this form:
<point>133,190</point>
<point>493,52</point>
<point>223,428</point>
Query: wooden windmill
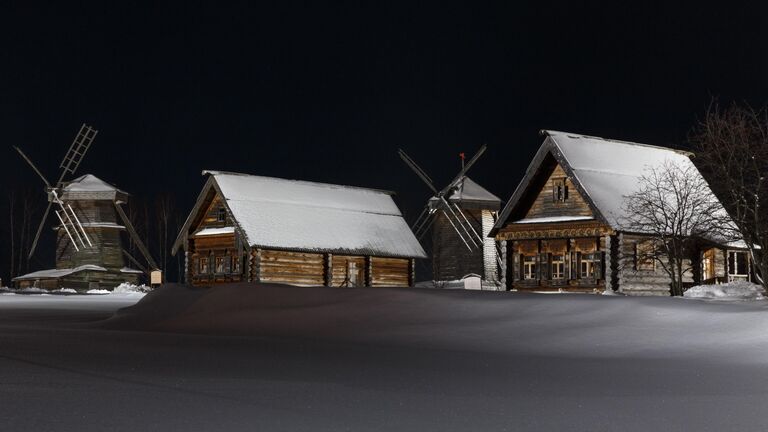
<point>89,248</point>
<point>459,217</point>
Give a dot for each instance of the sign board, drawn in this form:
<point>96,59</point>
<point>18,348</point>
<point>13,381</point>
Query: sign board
<point>155,277</point>
<point>473,282</point>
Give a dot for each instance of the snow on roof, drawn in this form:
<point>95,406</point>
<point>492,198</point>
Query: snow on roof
<point>554,219</point>
<point>89,183</point>
<point>130,270</point>
<point>608,170</point>
<point>214,231</point>
<point>468,190</point>
<point>58,273</point>
<point>301,215</point>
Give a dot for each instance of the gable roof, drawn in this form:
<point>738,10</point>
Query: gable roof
<point>89,186</point>
<point>300,215</point>
<point>603,170</point>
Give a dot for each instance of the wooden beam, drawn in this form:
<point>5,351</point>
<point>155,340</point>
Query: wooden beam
<point>135,236</point>
<point>133,260</point>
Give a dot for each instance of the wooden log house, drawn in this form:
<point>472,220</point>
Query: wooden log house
<point>562,231</point>
<point>264,229</point>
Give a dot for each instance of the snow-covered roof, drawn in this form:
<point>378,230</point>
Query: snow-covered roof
<point>550,219</point>
<point>300,215</point>
<point>468,191</point>
<point>58,273</point>
<point>130,270</point>
<point>89,186</point>
<point>214,231</point>
<point>605,170</point>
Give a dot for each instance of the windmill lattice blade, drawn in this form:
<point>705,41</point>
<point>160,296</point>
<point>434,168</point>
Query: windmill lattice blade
<point>77,150</point>
<point>29,161</point>
<point>457,230</point>
<point>39,230</point>
<point>464,170</point>
<point>446,205</point>
<point>420,172</point>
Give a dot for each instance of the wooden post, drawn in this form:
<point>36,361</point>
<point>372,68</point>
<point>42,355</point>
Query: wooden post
<point>328,270</point>
<point>368,271</point>
<point>412,272</point>
<point>504,267</point>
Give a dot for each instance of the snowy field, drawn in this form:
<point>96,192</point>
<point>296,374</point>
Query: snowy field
<point>286,358</point>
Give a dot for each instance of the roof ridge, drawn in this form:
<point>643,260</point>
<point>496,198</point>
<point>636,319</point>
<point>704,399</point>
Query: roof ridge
<point>549,132</point>
<point>307,182</point>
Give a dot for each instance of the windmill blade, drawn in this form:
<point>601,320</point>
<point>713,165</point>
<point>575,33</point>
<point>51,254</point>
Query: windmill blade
<point>420,172</point>
<point>64,224</point>
<point>469,224</point>
<point>40,230</point>
<point>457,230</point>
<point>29,161</point>
<point>135,236</point>
<point>448,206</point>
<point>464,170</point>
<point>426,226</point>
<point>421,215</point>
<point>135,262</point>
<point>77,150</point>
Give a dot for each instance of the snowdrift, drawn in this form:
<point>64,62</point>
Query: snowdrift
<point>478,321</point>
<point>740,290</point>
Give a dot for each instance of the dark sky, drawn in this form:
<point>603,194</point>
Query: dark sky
<point>329,92</point>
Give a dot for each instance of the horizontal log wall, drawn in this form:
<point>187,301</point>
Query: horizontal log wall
<point>296,268</point>
<point>390,272</point>
<point>545,204</point>
<point>641,282</point>
<point>339,270</point>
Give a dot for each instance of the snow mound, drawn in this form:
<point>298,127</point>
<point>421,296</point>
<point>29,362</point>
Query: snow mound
<point>32,290</point>
<point>64,291</point>
<point>129,288</point>
<point>98,291</point>
<point>740,290</point>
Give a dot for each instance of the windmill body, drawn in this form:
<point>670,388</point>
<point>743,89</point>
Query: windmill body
<point>451,259</point>
<point>458,219</point>
<point>90,246</point>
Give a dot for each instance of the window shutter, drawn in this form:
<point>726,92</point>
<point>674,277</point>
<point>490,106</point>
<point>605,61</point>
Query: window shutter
<point>543,266</point>
<point>598,263</point>
<point>566,265</point>
<point>516,265</point>
<point>577,259</point>
<point>565,190</point>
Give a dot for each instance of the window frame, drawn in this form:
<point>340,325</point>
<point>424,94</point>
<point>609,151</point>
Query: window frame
<point>529,268</point>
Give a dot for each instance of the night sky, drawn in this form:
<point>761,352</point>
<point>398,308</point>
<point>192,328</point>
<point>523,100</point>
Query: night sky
<point>330,92</point>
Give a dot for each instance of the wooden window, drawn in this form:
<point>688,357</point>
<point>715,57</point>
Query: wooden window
<point>587,266</point>
<point>708,264</point>
<point>235,263</point>
<point>202,265</point>
<point>559,190</point>
<point>529,267</point>
<point>221,215</point>
<point>738,265</point>
<point>558,267</point>
<point>645,253</point>
<point>222,264</point>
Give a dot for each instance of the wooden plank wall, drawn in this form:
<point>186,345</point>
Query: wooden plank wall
<point>451,259</point>
<point>297,268</point>
<point>545,205</point>
<point>390,272</point>
<point>339,266</point>
<point>107,250</point>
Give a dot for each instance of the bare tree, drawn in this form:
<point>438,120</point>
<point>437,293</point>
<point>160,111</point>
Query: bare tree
<point>164,208</point>
<point>732,152</point>
<point>12,231</point>
<point>674,208</point>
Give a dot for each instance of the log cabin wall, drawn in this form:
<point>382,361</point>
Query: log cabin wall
<point>639,278</point>
<point>545,204</point>
<point>347,271</point>
<point>451,259</point>
<point>215,259</point>
<point>556,264</point>
<point>296,268</point>
<point>393,272</point>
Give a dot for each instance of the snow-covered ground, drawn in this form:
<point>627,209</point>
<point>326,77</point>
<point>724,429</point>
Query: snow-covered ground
<point>739,290</point>
<point>288,358</point>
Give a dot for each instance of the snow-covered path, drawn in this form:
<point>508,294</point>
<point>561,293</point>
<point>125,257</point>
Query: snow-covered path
<point>545,363</point>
